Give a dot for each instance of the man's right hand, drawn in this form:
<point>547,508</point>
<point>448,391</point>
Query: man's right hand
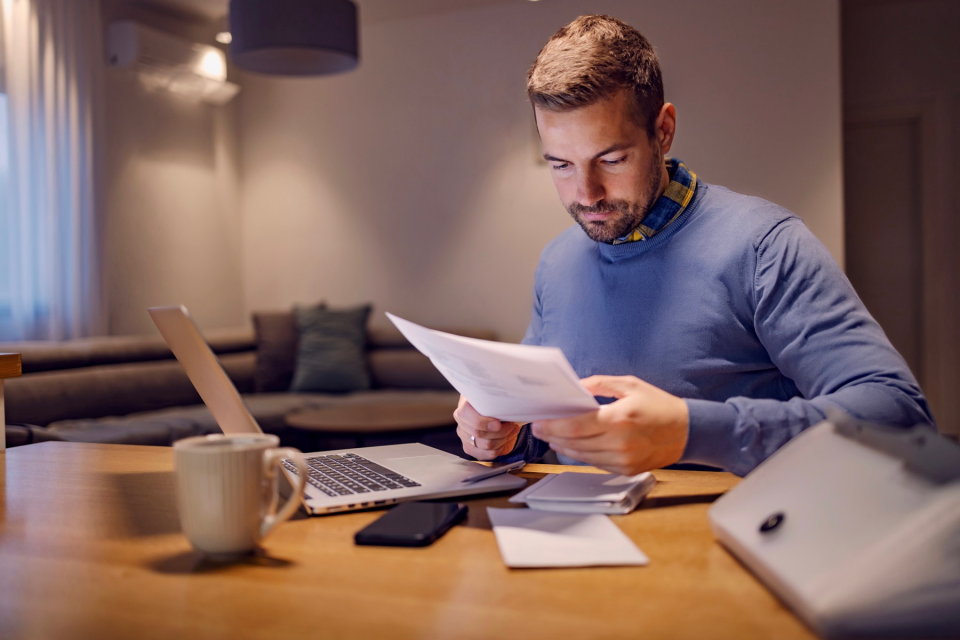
<point>484,438</point>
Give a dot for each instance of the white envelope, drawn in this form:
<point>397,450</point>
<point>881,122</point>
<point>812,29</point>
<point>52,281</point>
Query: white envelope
<point>529,539</point>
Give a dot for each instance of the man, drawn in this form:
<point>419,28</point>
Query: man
<point>718,323</point>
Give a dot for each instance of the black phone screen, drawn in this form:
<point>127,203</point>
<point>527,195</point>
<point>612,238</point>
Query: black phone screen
<point>412,524</point>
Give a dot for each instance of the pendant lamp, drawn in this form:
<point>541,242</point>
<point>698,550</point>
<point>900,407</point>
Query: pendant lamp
<point>294,37</point>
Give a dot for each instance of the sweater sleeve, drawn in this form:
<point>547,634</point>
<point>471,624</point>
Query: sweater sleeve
<point>820,336</point>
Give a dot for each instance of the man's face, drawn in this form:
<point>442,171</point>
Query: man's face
<point>607,170</point>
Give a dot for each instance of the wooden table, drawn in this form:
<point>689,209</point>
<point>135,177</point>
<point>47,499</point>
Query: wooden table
<point>10,367</point>
<point>90,548</point>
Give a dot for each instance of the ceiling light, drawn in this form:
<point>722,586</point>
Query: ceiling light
<point>294,37</point>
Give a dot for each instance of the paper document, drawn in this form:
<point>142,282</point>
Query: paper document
<point>511,382</point>
<point>530,539</point>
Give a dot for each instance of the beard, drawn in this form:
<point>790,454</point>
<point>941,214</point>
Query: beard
<point>627,215</point>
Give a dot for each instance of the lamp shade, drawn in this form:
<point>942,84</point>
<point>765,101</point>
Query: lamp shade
<point>294,37</point>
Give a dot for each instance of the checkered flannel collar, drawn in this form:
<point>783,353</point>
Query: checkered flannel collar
<point>669,206</point>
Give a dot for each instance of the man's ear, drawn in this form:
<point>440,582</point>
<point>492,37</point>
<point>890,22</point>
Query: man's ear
<point>666,127</point>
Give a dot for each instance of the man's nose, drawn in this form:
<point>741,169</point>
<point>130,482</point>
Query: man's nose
<point>589,189</point>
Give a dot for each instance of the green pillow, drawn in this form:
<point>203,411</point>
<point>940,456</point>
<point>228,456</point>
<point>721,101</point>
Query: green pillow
<point>330,355</point>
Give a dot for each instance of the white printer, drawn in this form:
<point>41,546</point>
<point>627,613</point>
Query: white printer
<point>855,527</point>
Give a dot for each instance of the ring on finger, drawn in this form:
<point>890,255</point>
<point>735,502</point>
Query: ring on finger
<point>473,440</point>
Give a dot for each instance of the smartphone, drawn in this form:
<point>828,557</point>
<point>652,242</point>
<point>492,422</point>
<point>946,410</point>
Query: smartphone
<point>412,524</point>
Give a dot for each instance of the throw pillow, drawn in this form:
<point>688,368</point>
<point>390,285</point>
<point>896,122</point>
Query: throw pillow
<point>330,357</point>
<point>277,341</point>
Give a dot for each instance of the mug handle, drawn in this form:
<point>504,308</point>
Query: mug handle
<point>271,459</point>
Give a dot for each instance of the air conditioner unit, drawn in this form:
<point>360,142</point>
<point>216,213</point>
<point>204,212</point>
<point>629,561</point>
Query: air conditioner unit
<point>164,61</point>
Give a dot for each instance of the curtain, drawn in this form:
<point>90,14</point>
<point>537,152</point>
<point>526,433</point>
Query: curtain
<point>52,59</point>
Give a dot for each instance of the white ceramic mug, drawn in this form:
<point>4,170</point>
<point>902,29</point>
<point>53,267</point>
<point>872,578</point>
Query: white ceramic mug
<point>227,490</point>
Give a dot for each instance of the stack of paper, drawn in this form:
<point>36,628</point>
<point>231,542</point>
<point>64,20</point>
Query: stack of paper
<point>530,539</point>
<point>587,492</point>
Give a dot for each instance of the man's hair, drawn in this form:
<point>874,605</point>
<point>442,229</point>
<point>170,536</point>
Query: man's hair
<point>593,58</point>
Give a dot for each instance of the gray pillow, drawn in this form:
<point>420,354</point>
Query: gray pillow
<point>330,356</point>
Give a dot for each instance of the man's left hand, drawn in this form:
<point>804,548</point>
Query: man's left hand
<point>645,428</point>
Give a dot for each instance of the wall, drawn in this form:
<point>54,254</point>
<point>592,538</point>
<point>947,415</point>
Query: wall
<point>171,214</point>
<point>412,182</point>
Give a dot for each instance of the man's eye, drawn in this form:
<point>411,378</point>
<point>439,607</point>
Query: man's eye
<point>614,162</point>
<point>560,166</point>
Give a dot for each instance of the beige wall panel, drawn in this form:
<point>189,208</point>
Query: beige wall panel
<point>172,221</point>
<point>171,214</point>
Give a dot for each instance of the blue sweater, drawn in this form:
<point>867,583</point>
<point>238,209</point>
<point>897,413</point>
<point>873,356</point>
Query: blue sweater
<point>735,307</point>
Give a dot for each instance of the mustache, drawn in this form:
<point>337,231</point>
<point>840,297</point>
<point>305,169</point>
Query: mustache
<point>600,207</point>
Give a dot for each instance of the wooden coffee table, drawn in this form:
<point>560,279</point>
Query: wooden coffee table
<point>375,418</point>
<point>359,425</point>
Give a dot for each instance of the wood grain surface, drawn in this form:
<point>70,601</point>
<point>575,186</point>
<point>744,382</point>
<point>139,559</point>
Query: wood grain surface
<point>90,548</point>
<point>10,365</point>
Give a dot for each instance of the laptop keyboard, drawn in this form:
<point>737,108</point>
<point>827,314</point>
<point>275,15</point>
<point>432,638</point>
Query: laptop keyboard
<point>348,473</point>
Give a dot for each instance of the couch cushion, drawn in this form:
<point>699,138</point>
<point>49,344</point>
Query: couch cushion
<point>110,390</point>
<point>169,425</point>
<point>50,355</point>
<point>20,434</point>
<point>166,426</point>
<point>277,339</point>
<point>159,431</point>
<point>330,357</point>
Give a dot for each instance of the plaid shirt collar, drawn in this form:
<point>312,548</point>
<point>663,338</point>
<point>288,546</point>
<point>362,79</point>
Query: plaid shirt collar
<point>669,206</point>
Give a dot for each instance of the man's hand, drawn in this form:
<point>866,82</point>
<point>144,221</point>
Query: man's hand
<point>491,438</point>
<point>646,428</point>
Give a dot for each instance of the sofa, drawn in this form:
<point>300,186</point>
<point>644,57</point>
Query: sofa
<point>131,390</point>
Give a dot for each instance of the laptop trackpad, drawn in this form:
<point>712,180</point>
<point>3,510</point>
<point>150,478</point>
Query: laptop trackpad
<point>418,466</point>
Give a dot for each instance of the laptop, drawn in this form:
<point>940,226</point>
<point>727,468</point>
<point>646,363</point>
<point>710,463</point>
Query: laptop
<point>340,480</point>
